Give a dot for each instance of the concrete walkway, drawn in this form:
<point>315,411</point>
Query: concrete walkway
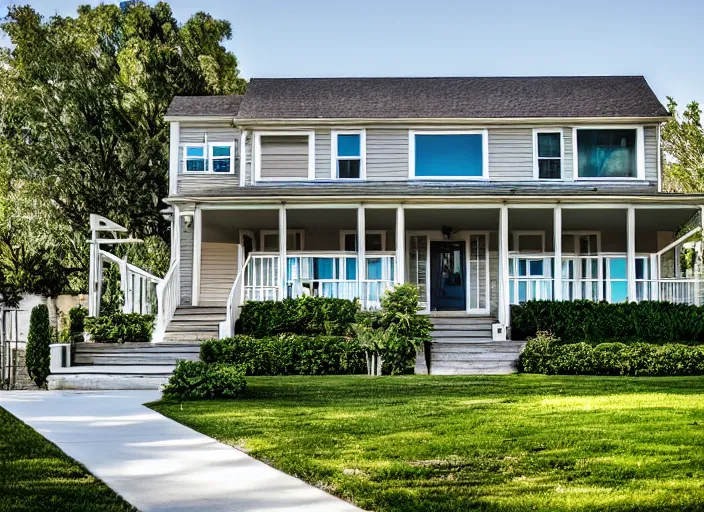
<point>155,463</point>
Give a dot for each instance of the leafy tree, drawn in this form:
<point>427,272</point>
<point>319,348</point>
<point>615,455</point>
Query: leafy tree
<point>82,101</point>
<point>38,340</point>
<point>683,145</point>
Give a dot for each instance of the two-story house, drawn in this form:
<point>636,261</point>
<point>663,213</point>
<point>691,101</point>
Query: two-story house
<point>482,192</point>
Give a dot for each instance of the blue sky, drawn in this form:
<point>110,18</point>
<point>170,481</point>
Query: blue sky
<point>659,39</point>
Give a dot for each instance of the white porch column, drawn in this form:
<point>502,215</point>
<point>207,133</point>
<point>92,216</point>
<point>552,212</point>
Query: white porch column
<point>504,305</point>
<point>282,252</point>
<point>174,140</point>
<point>197,239</point>
<point>400,263</point>
<point>631,252</point>
<point>557,244</point>
<point>361,250</point>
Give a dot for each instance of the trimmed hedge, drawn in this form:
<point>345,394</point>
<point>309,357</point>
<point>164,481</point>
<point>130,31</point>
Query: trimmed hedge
<point>596,322</point>
<point>545,354</point>
<point>305,316</point>
<point>197,380</point>
<point>287,354</point>
<point>120,328</point>
<point>39,338</point>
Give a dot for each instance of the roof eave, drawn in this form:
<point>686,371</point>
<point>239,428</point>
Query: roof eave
<point>183,117</point>
<point>246,122</point>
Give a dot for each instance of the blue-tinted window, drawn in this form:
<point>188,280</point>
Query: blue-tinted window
<point>351,269</point>
<point>195,159</point>
<point>374,268</point>
<point>221,158</point>
<point>536,267</point>
<point>606,153</point>
<point>348,145</point>
<point>449,155</point>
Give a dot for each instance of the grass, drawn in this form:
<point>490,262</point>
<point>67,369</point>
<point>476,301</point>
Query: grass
<point>36,476</point>
<point>474,443</point>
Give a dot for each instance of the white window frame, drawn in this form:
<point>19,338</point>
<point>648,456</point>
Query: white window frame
<point>335,158</point>
<point>345,232</point>
<point>640,152</point>
<point>211,146</point>
<point>412,154</point>
<point>517,235</point>
<point>288,133</point>
<point>537,158</point>
<point>204,147</point>
<point>264,232</point>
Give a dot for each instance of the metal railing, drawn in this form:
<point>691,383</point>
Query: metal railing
<point>168,293</point>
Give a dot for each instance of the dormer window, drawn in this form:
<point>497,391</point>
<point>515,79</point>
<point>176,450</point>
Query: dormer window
<point>348,151</point>
<point>547,154</point>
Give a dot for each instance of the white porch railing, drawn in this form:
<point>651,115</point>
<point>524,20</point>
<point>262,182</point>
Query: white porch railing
<point>168,293</point>
<point>234,301</point>
<point>687,291</point>
<point>138,286</point>
<point>261,277</point>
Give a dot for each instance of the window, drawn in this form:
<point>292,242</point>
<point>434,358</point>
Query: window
<point>216,157</point>
<point>222,158</point>
<point>348,149</point>
<point>547,147</point>
<point>194,158</point>
<point>270,240</point>
<point>373,241</point>
<point>448,155</point>
<point>529,241</point>
<point>284,156</point>
<point>607,153</point>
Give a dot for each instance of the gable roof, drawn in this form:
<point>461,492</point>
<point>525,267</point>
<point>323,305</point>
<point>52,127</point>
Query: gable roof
<point>205,106</point>
<point>465,97</point>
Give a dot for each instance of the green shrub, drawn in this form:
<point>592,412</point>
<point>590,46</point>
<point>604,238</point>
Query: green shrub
<point>305,316</point>
<point>597,322</point>
<point>76,322</point>
<point>197,380</point>
<point>545,354</point>
<point>39,338</point>
<point>120,328</point>
<point>287,354</point>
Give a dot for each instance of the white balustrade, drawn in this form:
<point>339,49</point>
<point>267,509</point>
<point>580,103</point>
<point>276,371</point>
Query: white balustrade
<point>168,293</point>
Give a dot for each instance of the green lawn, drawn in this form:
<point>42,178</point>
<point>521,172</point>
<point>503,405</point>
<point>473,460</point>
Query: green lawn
<point>36,476</point>
<point>474,443</point>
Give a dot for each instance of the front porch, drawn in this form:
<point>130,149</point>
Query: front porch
<point>465,259</point>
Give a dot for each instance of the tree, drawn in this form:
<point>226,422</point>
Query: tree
<point>38,341</point>
<point>683,145</point>
<point>82,101</point>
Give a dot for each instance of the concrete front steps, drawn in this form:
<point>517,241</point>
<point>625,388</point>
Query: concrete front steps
<point>192,324</point>
<point>463,345</point>
<point>98,366</point>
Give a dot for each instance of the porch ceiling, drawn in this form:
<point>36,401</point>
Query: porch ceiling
<point>468,219</point>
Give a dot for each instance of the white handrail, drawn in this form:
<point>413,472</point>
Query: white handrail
<point>226,328</point>
<point>168,295</point>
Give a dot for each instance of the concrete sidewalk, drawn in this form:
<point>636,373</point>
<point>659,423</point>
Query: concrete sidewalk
<point>155,463</point>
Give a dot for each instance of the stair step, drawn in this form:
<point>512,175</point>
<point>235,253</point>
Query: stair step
<point>198,318</point>
<point>189,337</point>
<point>200,327</point>
<point>455,326</point>
<point>451,370</point>
<point>460,334</point>
<point>468,357</point>
<point>126,349</point>
<point>131,346</point>
<point>200,310</point>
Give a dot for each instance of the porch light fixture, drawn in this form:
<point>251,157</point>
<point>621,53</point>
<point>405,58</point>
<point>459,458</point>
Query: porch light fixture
<point>188,221</point>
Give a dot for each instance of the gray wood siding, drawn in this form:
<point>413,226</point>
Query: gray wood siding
<point>284,156</point>
<point>192,183</point>
<point>567,164</point>
<point>186,264</point>
<point>650,136</point>
<point>387,154</point>
<point>323,155</point>
<point>218,270</point>
<point>511,154</point>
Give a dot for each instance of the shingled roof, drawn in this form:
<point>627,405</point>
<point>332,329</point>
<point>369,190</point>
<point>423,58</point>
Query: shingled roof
<point>205,106</point>
<point>478,97</point>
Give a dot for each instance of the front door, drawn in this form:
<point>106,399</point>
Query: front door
<point>448,282</point>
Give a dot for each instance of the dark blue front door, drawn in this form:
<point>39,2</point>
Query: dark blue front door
<point>448,290</point>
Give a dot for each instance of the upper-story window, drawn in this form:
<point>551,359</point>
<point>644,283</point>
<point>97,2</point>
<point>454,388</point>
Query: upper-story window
<point>348,155</point>
<point>449,155</point>
<point>609,153</point>
<point>284,156</point>
<point>547,154</point>
<point>215,157</point>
